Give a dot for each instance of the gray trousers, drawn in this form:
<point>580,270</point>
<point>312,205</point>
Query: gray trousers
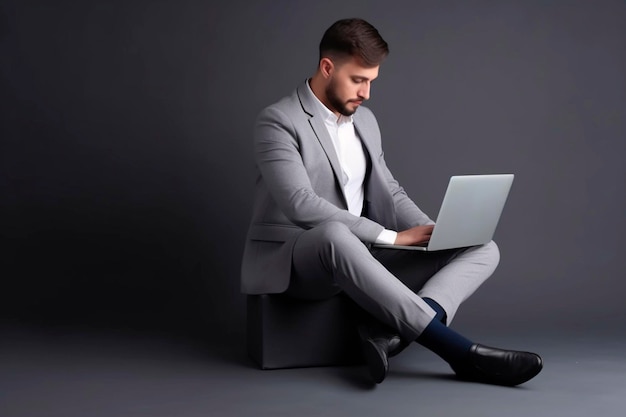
<point>388,284</point>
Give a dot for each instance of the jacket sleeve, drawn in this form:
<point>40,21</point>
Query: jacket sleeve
<point>277,155</point>
<point>408,214</point>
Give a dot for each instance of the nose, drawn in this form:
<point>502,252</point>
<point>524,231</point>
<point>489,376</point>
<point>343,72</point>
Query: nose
<point>364,91</point>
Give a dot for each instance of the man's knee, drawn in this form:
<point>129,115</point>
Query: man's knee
<point>334,232</point>
<point>334,238</point>
<point>491,253</point>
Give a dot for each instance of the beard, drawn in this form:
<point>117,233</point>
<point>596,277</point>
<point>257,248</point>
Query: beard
<point>335,101</point>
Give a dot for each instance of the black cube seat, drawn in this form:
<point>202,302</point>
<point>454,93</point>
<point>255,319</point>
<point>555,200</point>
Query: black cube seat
<point>284,332</point>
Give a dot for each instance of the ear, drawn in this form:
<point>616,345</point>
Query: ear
<point>326,67</point>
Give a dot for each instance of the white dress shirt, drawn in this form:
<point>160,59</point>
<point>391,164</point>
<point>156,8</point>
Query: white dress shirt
<point>351,157</point>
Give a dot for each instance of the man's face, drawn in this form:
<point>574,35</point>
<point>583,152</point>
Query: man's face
<point>349,85</point>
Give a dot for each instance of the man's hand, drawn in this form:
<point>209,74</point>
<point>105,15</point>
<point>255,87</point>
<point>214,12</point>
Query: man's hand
<point>414,236</point>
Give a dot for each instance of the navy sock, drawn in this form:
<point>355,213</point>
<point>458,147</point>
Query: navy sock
<point>441,315</point>
<point>445,342</point>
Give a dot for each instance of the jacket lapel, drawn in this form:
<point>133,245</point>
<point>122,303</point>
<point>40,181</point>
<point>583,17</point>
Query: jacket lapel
<point>321,132</point>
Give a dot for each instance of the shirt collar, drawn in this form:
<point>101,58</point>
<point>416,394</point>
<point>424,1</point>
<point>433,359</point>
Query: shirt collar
<point>329,116</point>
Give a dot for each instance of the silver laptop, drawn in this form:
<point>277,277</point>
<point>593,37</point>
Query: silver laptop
<point>469,213</point>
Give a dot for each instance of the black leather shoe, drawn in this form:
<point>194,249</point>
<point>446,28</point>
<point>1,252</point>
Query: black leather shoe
<point>498,366</point>
<point>375,350</point>
<point>395,344</point>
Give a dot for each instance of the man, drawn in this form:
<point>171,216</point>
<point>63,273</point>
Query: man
<point>324,196</point>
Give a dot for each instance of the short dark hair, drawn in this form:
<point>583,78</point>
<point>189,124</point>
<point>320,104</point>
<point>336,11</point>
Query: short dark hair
<point>355,38</point>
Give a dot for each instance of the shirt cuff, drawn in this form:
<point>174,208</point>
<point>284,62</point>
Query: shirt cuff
<point>387,237</point>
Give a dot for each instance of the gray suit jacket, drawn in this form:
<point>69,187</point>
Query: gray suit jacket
<point>299,186</point>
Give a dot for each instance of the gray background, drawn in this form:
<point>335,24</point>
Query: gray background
<point>125,189</point>
<point>126,149</point>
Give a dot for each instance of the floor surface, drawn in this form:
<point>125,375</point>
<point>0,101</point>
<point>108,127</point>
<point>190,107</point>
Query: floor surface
<point>97,372</point>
